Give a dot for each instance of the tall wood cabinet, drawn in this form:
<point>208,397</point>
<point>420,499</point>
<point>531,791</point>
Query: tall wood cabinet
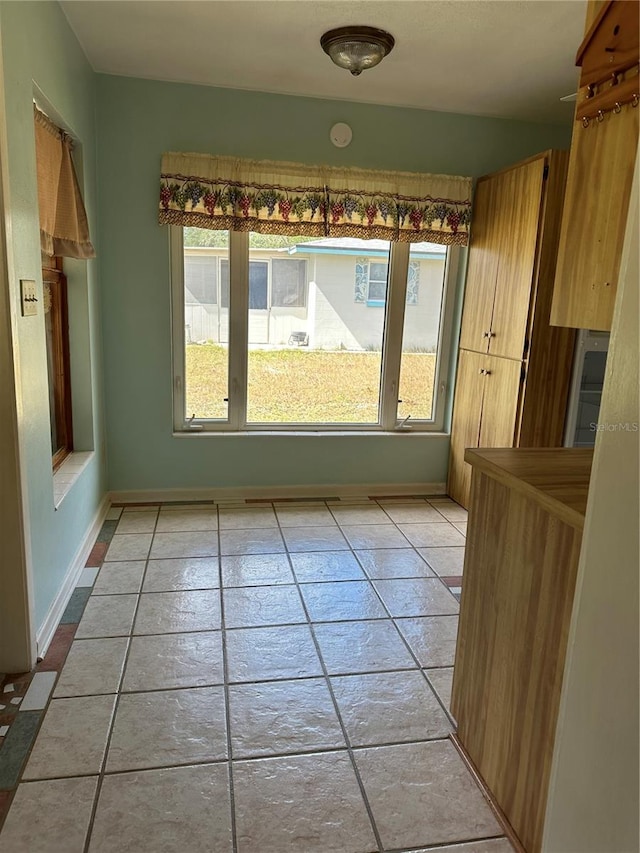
<point>513,367</point>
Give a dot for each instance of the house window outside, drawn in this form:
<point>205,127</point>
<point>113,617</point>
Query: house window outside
<point>293,350</point>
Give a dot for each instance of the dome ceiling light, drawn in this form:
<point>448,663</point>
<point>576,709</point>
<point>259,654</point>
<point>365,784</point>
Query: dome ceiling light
<point>357,48</point>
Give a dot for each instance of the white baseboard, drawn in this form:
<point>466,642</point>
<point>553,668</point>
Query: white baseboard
<point>46,631</point>
<point>275,492</point>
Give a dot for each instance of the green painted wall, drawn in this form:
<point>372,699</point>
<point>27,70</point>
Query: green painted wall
<point>39,47</point>
<point>137,121</point>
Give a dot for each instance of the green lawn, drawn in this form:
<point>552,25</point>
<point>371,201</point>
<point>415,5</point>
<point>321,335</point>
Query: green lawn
<point>306,386</point>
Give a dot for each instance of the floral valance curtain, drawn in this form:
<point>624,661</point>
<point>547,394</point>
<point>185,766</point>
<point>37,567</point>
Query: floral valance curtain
<point>64,230</point>
<point>291,198</point>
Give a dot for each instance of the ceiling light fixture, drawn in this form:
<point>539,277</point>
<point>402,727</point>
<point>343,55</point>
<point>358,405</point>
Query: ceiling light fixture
<point>357,48</point>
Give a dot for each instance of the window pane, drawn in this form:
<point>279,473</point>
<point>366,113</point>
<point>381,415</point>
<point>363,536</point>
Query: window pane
<point>318,359</point>
<point>377,290</point>
<point>200,279</point>
<point>258,277</point>
<point>422,328</point>
<point>377,271</point>
<point>206,258</point>
<point>288,283</point>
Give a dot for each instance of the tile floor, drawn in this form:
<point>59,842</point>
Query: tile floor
<point>250,678</point>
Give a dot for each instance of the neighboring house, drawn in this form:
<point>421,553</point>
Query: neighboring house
<point>326,294</point>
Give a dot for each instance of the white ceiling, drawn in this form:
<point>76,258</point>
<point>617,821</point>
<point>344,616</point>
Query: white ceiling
<point>510,58</point>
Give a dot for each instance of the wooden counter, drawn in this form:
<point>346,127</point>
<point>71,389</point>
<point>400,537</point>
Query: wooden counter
<point>523,543</point>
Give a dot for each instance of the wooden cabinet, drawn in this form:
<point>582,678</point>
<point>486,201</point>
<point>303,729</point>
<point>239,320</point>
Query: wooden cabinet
<point>485,413</point>
<point>603,154</point>
<point>523,544</point>
<point>513,367</point>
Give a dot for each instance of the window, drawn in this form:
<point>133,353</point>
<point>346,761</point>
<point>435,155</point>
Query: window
<point>377,289</point>
<point>58,369</point>
<point>285,345</point>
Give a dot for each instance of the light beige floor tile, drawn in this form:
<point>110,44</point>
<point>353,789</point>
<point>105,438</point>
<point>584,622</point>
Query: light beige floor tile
<point>393,563</point>
<point>461,526</point>
<point>200,544</point>
<point>423,794</point>
<point>166,728</point>
<point>72,739</point>
<point>137,522</point>
<point>49,817</point>
<point>129,546</point>
<point>175,612</point>
<point>432,638</point>
<point>491,845</point>
<point>257,654</point>
<point>175,660</point>
<point>92,667</point>
<point>187,520</point>
<point>246,607</point>
<point>314,539</point>
<point>258,541</point>
<point>304,516</point>
<point>182,506</point>
<point>389,707</point>
<point>326,566</point>
<point>344,600</point>
<point>364,536</point>
<point>114,513</point>
<point>370,514</point>
<point>441,679</point>
<point>449,509</point>
<point>119,578</point>
<point>181,573</point>
<point>350,647</point>
<point>281,717</point>
<point>412,513</point>
<point>300,804</point>
<point>256,570</point>
<point>183,809</point>
<point>432,535</point>
<point>107,616</point>
<point>444,561</point>
<point>247,519</point>
<point>417,597</point>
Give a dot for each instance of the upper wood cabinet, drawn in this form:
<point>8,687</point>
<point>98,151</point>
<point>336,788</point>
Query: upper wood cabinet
<point>504,236</point>
<point>513,367</point>
<point>603,154</point>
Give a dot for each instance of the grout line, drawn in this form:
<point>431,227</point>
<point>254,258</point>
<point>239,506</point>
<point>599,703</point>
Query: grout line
<point>102,771</point>
<point>227,703</point>
<point>343,728</point>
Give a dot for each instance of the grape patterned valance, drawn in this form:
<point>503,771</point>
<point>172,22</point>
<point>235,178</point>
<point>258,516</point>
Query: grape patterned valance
<point>271,197</point>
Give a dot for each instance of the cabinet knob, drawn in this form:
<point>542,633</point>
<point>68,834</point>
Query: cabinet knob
<point>486,334</point>
<point>481,371</point>
<point>492,334</point>
<point>487,373</point>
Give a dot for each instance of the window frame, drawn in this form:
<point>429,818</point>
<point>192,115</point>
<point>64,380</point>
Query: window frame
<point>388,421</point>
<point>53,276</point>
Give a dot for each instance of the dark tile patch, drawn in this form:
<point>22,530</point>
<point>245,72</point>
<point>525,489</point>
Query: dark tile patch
<point>452,580</point>
<point>16,747</point>
<point>75,607</point>
<point>107,530</point>
<point>96,556</point>
<point>58,649</point>
<point>5,803</point>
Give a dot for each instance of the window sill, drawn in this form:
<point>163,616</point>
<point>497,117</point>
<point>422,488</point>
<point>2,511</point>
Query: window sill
<point>68,473</point>
<point>306,433</point>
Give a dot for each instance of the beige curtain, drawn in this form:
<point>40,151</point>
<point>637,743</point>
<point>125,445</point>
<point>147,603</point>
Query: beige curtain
<point>64,230</point>
<point>291,198</point>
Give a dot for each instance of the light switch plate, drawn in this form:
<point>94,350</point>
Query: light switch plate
<point>28,298</point>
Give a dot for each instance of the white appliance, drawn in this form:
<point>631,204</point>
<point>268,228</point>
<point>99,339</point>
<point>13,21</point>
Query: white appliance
<point>585,393</point>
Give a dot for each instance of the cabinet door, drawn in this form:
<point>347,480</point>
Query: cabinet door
<point>519,201</point>
<point>465,427</point>
<point>500,401</point>
<point>482,268</point>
